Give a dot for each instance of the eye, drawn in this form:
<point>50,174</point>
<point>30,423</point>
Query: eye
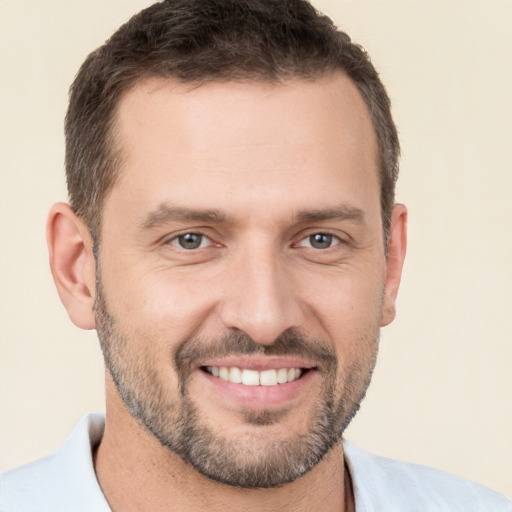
<point>319,241</point>
<point>190,241</point>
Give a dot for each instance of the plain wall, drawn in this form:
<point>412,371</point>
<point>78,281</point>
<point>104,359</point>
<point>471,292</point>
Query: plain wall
<point>441,394</point>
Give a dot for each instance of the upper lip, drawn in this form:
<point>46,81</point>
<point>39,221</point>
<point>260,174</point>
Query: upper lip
<point>259,363</point>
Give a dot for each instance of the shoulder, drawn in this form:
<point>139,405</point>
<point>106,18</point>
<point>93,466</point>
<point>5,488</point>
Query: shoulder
<point>382,484</point>
<point>62,481</point>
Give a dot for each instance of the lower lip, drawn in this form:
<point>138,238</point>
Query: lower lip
<point>259,397</point>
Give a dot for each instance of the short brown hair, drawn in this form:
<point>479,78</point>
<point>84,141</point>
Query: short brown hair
<point>210,40</point>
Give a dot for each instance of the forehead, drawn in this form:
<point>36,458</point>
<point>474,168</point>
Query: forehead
<point>254,138</point>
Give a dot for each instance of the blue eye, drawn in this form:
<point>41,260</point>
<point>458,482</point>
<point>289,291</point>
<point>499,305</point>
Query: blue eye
<point>320,241</point>
<point>190,241</point>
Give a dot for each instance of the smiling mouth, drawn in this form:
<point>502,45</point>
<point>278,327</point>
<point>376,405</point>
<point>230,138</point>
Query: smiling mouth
<point>247,377</point>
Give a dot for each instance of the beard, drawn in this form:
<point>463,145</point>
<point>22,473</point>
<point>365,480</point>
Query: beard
<point>254,459</point>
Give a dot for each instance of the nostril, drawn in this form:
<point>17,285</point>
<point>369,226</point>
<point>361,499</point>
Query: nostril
<point>258,299</point>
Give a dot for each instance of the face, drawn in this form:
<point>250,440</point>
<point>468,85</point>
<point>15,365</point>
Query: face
<point>241,273</point>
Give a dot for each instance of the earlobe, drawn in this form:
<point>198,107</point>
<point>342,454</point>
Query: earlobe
<point>72,263</point>
<point>396,246</point>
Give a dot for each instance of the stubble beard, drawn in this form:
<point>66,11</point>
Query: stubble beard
<point>256,461</point>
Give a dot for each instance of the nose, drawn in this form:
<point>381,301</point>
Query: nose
<point>260,297</point>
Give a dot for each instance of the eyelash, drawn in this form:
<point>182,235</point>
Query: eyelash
<point>333,240</point>
<point>175,240</point>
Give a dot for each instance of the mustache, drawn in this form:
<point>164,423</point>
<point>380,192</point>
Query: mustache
<point>290,343</point>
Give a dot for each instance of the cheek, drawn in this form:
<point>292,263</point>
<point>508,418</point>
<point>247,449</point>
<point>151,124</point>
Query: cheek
<point>162,305</point>
<point>348,307</point>
<point>347,302</point>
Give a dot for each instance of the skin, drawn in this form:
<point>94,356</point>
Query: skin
<point>268,158</point>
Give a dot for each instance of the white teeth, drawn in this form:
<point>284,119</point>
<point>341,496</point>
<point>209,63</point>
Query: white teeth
<point>250,377</point>
<point>253,377</point>
<point>282,376</point>
<point>235,375</point>
<point>268,378</point>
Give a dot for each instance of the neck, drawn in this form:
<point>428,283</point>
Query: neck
<point>137,474</point>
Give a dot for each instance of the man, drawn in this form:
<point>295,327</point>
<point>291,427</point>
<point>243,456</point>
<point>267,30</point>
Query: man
<point>233,238</point>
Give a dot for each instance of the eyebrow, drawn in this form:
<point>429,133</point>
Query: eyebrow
<point>165,214</point>
<point>341,213</point>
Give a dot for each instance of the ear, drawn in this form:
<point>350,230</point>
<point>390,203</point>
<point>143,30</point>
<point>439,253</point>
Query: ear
<point>397,244</point>
<point>72,263</point>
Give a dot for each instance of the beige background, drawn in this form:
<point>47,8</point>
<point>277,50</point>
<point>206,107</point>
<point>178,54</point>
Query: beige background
<point>442,390</point>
